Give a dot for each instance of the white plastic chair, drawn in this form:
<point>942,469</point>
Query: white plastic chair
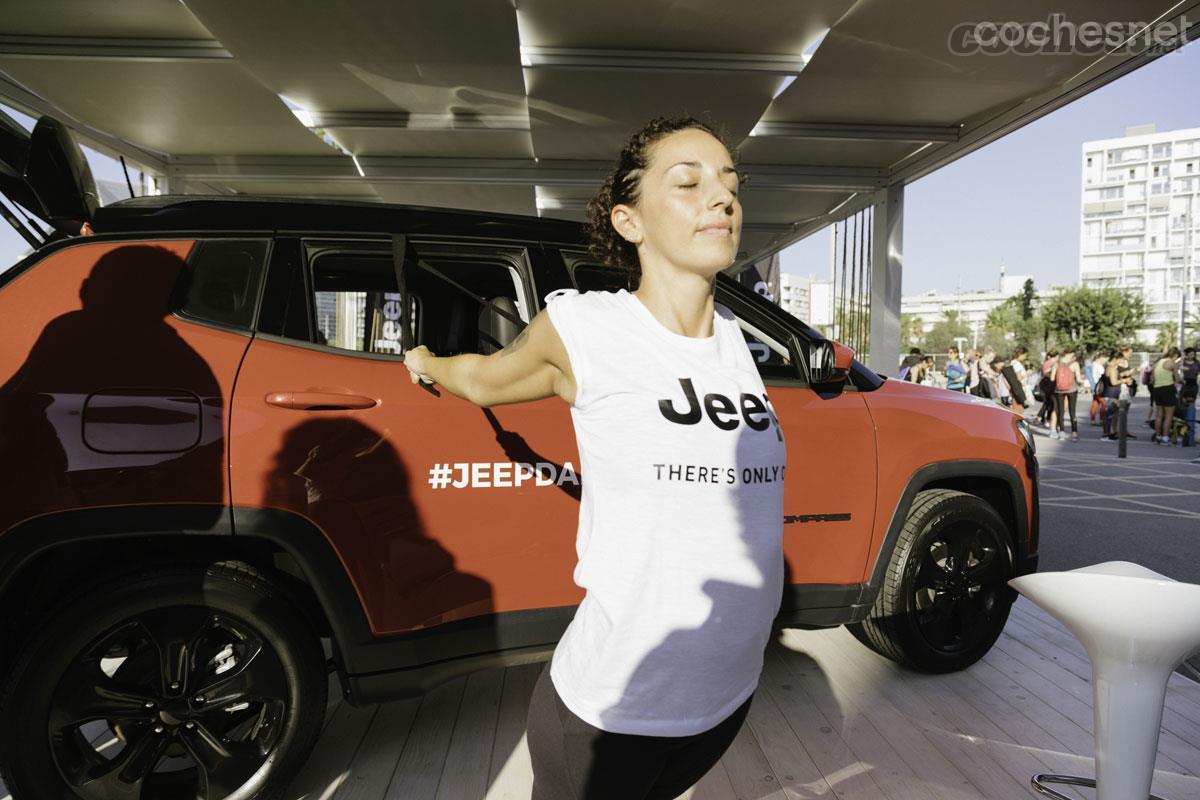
<point>1137,627</point>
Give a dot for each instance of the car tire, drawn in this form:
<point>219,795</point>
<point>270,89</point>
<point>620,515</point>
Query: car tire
<point>945,596</point>
<point>130,680</point>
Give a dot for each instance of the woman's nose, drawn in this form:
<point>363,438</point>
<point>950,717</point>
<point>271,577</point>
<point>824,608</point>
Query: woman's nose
<point>722,196</point>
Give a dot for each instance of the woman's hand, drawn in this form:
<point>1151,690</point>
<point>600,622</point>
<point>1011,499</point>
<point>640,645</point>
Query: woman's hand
<point>417,361</point>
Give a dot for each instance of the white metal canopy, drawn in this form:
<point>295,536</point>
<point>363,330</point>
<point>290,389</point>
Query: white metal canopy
<point>522,105</point>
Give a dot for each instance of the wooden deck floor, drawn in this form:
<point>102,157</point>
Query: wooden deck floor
<point>830,720</point>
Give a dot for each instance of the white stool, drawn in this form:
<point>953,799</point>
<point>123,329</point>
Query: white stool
<point>1137,627</point>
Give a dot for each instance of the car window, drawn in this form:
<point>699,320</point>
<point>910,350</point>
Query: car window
<point>356,302</point>
<point>449,321</point>
<point>459,300</point>
<point>222,280</point>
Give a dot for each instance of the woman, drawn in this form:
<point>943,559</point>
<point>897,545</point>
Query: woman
<point>957,373</point>
<point>1012,376</point>
<point>1165,374</point>
<point>1046,387</point>
<point>1067,378</point>
<point>655,674</point>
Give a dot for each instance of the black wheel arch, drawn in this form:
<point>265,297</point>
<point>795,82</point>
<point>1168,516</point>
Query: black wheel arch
<point>996,483</point>
<point>48,558</point>
<point>50,554</point>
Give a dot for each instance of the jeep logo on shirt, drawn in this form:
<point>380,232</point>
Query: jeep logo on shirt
<point>720,410</point>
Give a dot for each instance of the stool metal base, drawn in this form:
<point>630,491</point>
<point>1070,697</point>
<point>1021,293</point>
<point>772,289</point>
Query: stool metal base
<point>1038,783</point>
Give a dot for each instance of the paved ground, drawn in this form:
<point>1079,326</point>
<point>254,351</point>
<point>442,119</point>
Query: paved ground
<point>1097,507</point>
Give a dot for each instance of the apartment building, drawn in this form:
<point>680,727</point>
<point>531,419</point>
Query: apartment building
<point>1140,226</point>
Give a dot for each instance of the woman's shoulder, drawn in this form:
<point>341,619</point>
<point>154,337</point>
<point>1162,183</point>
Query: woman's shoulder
<point>575,299</point>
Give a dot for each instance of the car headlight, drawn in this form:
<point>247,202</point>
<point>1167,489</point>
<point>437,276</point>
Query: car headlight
<point>1027,432</point>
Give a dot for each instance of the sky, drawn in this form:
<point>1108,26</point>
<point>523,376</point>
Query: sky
<point>1017,200</point>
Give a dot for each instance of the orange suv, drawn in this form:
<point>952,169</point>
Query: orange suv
<point>220,484</point>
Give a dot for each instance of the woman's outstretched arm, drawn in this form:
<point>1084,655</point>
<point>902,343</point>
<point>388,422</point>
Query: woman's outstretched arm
<point>533,366</point>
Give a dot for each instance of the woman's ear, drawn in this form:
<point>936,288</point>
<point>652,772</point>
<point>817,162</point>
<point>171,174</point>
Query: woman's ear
<point>626,222</point>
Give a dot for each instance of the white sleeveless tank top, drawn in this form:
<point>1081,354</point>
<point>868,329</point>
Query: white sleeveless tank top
<point>679,542</point>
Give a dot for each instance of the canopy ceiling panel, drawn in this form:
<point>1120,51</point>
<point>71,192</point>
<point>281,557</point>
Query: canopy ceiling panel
<point>890,62</point>
<point>175,107</point>
<point>502,199</point>
<point>765,206</point>
<point>155,19</point>
<point>578,114</point>
<point>848,152</point>
<point>434,143</point>
<point>753,241</point>
<point>684,25</point>
<point>487,104</point>
<point>417,56</point>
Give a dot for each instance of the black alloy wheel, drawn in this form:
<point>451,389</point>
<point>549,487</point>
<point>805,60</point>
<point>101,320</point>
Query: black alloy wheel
<point>945,596</point>
<point>956,591</point>
<point>198,683</point>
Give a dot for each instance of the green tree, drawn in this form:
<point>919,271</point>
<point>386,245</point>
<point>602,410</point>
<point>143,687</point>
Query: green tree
<point>944,332</point>
<point>1094,319</point>
<point>1028,299</point>
<point>1168,335</point>
<point>1001,330</point>
<point>1017,322</point>
<point>911,331</point>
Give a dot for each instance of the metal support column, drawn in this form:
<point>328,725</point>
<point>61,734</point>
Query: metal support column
<point>886,275</point>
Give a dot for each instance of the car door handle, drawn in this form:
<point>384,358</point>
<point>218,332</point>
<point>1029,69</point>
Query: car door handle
<point>320,401</point>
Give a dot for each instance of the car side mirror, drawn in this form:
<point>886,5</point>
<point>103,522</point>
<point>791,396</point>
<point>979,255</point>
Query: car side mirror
<point>829,362</point>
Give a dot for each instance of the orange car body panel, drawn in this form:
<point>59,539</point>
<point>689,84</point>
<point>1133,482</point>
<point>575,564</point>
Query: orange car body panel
<point>921,425</point>
<point>421,555</point>
<point>112,400</point>
<point>106,398</point>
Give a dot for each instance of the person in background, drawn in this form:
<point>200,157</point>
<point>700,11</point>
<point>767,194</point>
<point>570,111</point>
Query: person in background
<point>1120,380</point>
<point>1096,371</point>
<point>957,373</point>
<point>910,361</point>
<point>1067,378</point>
<point>1003,393</point>
<point>1046,387</point>
<point>1147,380</point>
<point>1012,375</point>
<point>989,373</point>
<point>928,375</point>
<point>1163,392</point>
<point>1189,372</point>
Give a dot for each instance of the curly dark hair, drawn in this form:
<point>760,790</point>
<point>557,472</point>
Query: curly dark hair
<point>623,185</point>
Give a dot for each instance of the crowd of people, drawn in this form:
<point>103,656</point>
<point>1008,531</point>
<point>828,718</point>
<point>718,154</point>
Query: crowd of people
<point>1056,381</point>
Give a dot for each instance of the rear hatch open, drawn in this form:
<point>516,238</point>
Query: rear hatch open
<point>46,181</point>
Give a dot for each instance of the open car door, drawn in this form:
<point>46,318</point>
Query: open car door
<point>44,175</point>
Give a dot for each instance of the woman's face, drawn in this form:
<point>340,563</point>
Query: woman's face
<point>687,213</point>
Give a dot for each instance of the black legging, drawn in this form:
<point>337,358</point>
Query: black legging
<point>1047,388</point>
<point>1069,398</point>
<point>574,761</point>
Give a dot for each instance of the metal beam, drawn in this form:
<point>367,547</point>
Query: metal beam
<point>493,171</point>
<point>887,273</point>
<point>815,178</point>
<point>417,121</point>
<point>111,48</point>
<point>661,60</point>
<point>842,131</point>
